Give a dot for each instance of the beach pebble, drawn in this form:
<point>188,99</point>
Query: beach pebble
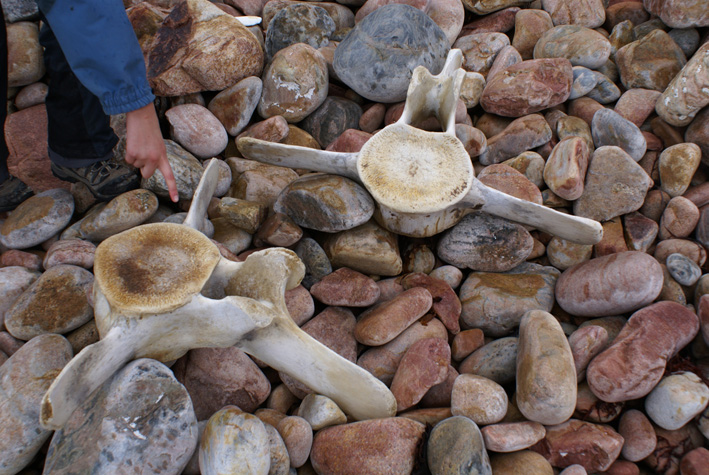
<point>565,169</point>
<point>682,269</point>
<point>496,360</point>
<point>346,287</point>
<point>676,166</point>
<point>679,219</point>
<point>687,92</point>
<point>74,252</point>
<point>676,400</point>
<point>610,128</point>
<point>186,169</point>
<point>14,280</point>
<point>329,121</point>
<point>317,264</point>
<point>298,23</point>
<point>586,343</point>
<point>522,134</point>
<point>321,412</point>
<point>456,445</point>
<point>650,62</point>
<point>198,130</point>
<point>524,461</point>
<point>123,212</point>
<point>479,399</point>
<point>384,322</point>
<point>37,219</point>
<point>580,45</point>
<point>424,365</point>
<point>512,436</point>
<point>368,248</point>
<point>639,437</point>
<point>446,304</point>
<point>235,105</point>
<point>590,14</point>
<point>298,437</point>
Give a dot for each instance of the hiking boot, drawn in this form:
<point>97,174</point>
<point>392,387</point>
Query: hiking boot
<point>12,193</point>
<point>106,179</point>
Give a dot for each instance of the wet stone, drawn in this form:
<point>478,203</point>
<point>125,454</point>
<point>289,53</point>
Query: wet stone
<point>346,287</point>
<point>676,400</point>
<point>377,57</point>
<point>97,436</point>
<point>480,399</point>
<point>298,23</point>
<point>37,219</point>
<point>685,271</point>
<point>294,83</point>
<point>615,185</point>
<point>24,378</point>
<point>235,442</point>
<point>331,119</point>
<point>610,128</point>
<point>198,130</point>
<point>57,302</point>
<point>580,45</point>
<point>485,243</point>
<point>650,62</point>
<point>512,436</point>
<point>327,203</point>
<point>424,365</point>
<point>495,361</point>
<point>367,447</point>
<point>496,302</point>
<point>384,322</point>
<point>456,445</point>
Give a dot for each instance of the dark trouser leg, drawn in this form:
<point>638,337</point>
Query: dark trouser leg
<point>4,174</point>
<point>79,131</point>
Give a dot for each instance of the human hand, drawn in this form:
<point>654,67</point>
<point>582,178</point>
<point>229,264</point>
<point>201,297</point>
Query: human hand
<point>145,148</point>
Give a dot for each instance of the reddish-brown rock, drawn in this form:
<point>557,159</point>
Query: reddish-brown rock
<point>640,438</point>
<point>446,304</point>
<point>424,365</point>
<point>695,462</point>
<point>346,287</point>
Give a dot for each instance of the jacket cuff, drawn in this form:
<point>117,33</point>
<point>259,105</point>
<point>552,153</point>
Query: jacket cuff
<point>126,100</point>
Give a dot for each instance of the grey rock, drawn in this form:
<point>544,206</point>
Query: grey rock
<point>605,91</point>
<point>610,128</point>
<point>456,446</point>
<point>584,81</point>
<point>682,269</point>
<point>186,168</point>
<point>299,23</point>
<point>686,38</point>
<point>317,265</point>
<point>330,119</point>
<point>37,219</point>
<point>496,361</point>
<point>20,10</point>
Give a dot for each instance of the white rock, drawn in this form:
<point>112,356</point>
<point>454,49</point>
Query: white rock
<point>676,400</point>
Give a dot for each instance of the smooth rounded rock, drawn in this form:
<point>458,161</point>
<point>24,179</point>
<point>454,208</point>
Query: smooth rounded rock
<point>235,105</point>
<point>650,62</point>
<point>565,169</point>
<point>14,280</point>
<point>480,399</point>
<point>298,23</point>
<point>186,169</point>
<point>198,130</point>
<point>316,262</point>
<point>381,324</point>
<point>580,45</point>
<point>424,365</point>
<point>687,93</point>
<point>298,437</point>
<point>496,361</point>
<point>610,128</point>
<point>331,119</point>
<point>679,219</point>
<point>123,212</point>
<point>677,165</point>
<point>456,445</point>
<point>346,287</point>
<point>676,400</point>
<point>520,463</point>
<point>682,269</point>
<point>37,219</point>
<point>321,412</point>
<point>512,436</point>
<point>640,438</point>
<point>368,248</point>
<point>74,252</point>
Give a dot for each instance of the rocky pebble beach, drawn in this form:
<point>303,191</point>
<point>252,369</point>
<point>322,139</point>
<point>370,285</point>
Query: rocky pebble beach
<point>508,350</point>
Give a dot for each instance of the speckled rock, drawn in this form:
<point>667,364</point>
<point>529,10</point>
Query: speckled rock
<point>424,365</point>
<point>331,119</point>
<point>234,442</point>
<point>677,165</point>
<point>317,264</point>
<point>527,87</point>
<point>298,23</point>
<point>456,445</point>
<point>580,45</point>
<point>480,49</point>
<point>24,378</point>
<point>512,436</point>
<point>57,302</point>
<point>635,362</point>
<point>186,168</point>
<point>14,280</point>
<point>496,361</point>
<point>110,431</point>
<point>610,128</point>
<point>486,243</point>
<point>123,212</point>
<point>679,14</point>
<point>383,361</point>
<point>377,57</point>
<point>639,436</point>
<point>650,62</point>
<point>346,287</point>
<point>546,376</point>
<point>522,134</point>
<point>321,412</point>
<point>368,447</point>
<point>615,185</point>
<point>327,203</point>
<point>496,302</point>
<point>368,248</point>
<point>682,269</point>
<point>687,93</point>
<point>530,25</point>
<point>593,446</point>
<point>294,83</point>
<point>608,285</point>
<point>676,400</point>
<point>198,47</point>
<point>37,219</point>
<point>478,398</point>
<point>384,322</point>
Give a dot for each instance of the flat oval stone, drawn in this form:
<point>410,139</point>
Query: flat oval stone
<point>326,203</point>
<point>37,219</point>
<point>377,57</point>
<point>580,45</point>
<point>123,212</point>
<point>24,378</point>
<point>198,130</point>
<point>676,400</point>
<point>424,365</point>
<point>57,302</point>
<point>524,461</point>
<point>141,417</point>
<point>610,128</point>
<point>496,302</point>
<point>512,436</point>
<point>298,23</point>
<point>615,185</point>
<point>682,269</point>
<point>593,446</point>
<point>217,377</point>
<point>384,322</point>
<point>14,280</point>
<point>527,87</point>
<point>546,376</point>
<point>234,442</point>
<point>496,361</point>
<point>298,437</point>
<point>235,105</point>
<point>486,243</point>
<point>456,445</point>
<point>635,362</point>
<point>382,361</point>
<point>480,399</point>
<point>608,285</point>
<point>368,447</point>
<point>640,438</point>
<point>346,287</point>
<point>368,248</point>
<point>565,169</point>
<point>294,83</point>
<point>650,62</point>
<point>334,116</point>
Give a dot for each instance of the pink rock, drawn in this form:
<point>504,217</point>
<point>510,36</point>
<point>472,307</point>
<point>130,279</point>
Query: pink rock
<point>695,462</point>
<point>346,287</point>
<point>440,394</point>
<point>500,21</point>
<point>640,438</point>
<point>446,304</point>
<point>635,362</point>
<point>424,365</point>
<point>300,304</point>
<point>351,141</point>
<point>586,343</point>
<point>278,230</point>
<point>372,118</point>
<point>565,169</point>
<point>679,218</point>
<point>76,252</point>
<point>197,130</point>
<point>512,436</point>
<point>298,437</point>
<point>465,342</point>
<point>273,129</point>
<point>637,104</point>
<point>14,257</point>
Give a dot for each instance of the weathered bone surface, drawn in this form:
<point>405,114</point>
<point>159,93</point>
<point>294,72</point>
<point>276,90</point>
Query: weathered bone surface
<point>163,289</point>
<point>423,181</point>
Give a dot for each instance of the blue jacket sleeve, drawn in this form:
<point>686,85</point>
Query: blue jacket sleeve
<point>98,41</point>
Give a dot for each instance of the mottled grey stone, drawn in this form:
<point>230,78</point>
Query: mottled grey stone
<point>456,445</point>
<point>686,38</point>
<point>683,269</point>
<point>186,168</point>
<point>20,10</point>
<point>37,219</point>
<point>496,361</point>
<point>610,128</point>
<point>299,23</point>
<point>317,265</point>
<point>333,117</point>
<point>141,417</point>
<point>377,57</point>
<point>605,91</point>
<point>584,81</point>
